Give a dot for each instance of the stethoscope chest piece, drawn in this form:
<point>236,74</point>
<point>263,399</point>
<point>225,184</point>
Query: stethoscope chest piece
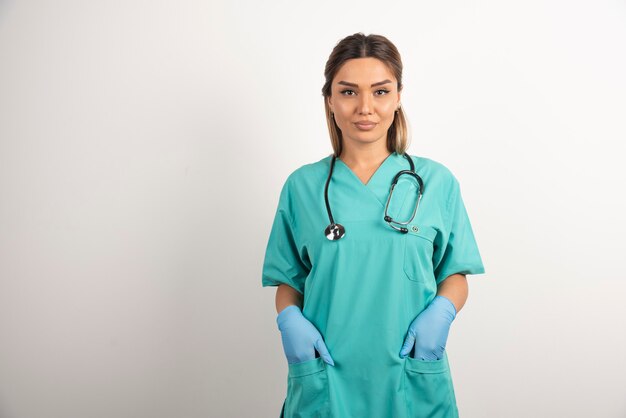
<point>335,231</point>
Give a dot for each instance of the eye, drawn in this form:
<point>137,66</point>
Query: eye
<point>345,91</point>
<point>383,92</point>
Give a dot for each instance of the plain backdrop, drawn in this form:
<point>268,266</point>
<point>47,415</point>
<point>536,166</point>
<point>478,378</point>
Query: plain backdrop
<point>143,146</point>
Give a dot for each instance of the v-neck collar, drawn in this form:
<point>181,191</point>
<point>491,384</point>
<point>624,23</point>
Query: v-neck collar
<point>380,182</point>
<point>389,157</point>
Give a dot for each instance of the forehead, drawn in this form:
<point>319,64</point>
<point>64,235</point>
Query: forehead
<point>364,71</point>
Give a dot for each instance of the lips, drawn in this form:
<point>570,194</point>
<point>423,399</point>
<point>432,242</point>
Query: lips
<point>365,125</point>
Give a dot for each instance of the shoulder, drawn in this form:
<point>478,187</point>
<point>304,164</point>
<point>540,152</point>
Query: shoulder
<point>435,172</point>
<point>304,181</point>
<point>440,182</point>
<point>310,173</point>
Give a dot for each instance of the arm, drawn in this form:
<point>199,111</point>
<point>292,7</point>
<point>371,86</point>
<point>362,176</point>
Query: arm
<point>455,288</point>
<point>287,295</point>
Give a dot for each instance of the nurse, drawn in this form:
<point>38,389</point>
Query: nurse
<point>365,308</point>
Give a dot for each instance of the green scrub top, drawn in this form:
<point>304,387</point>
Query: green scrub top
<point>362,291</point>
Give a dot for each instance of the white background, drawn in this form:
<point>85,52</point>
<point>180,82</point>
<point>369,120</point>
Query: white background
<point>143,146</point>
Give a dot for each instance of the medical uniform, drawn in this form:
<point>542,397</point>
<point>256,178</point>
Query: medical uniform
<point>362,291</point>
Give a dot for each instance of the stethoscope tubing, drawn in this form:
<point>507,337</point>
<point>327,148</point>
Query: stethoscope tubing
<point>336,231</point>
<point>330,173</point>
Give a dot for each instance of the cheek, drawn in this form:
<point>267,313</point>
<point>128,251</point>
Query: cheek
<point>343,108</point>
<point>343,115</point>
<point>388,108</point>
<point>387,113</point>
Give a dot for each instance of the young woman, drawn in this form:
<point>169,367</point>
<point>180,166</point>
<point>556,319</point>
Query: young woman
<point>370,276</point>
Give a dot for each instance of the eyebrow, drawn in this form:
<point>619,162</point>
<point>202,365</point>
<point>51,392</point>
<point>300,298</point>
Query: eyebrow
<point>345,83</point>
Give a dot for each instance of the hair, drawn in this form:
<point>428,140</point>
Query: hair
<point>362,46</point>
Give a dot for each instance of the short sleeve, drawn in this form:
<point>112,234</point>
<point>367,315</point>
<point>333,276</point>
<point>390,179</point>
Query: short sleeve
<point>284,262</point>
<point>456,250</point>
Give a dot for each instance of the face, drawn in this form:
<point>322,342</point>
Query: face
<point>364,90</point>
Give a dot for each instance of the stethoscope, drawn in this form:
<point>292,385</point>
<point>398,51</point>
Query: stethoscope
<point>335,231</point>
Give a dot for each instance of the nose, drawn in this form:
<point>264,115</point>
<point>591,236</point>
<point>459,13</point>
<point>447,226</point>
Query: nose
<point>365,104</point>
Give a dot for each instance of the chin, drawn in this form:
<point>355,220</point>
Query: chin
<point>368,137</point>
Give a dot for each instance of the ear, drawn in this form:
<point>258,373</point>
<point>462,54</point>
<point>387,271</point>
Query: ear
<point>330,102</point>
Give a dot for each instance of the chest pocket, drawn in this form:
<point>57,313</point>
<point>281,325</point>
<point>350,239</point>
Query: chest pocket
<point>418,252</point>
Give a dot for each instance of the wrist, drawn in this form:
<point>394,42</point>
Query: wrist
<point>288,312</point>
<point>446,304</point>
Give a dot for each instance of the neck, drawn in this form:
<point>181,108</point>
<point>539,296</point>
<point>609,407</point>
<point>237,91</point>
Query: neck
<point>364,155</point>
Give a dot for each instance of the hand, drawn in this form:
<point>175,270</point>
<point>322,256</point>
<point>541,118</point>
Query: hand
<point>429,330</point>
<point>300,337</point>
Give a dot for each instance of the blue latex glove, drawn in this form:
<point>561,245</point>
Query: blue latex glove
<point>300,337</point>
<point>429,330</point>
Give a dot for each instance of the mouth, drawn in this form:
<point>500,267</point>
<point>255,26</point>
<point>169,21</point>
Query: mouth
<point>365,126</point>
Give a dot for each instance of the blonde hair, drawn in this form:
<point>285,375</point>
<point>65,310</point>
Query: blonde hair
<point>362,46</point>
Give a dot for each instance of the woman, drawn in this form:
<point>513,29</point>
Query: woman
<point>373,296</point>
